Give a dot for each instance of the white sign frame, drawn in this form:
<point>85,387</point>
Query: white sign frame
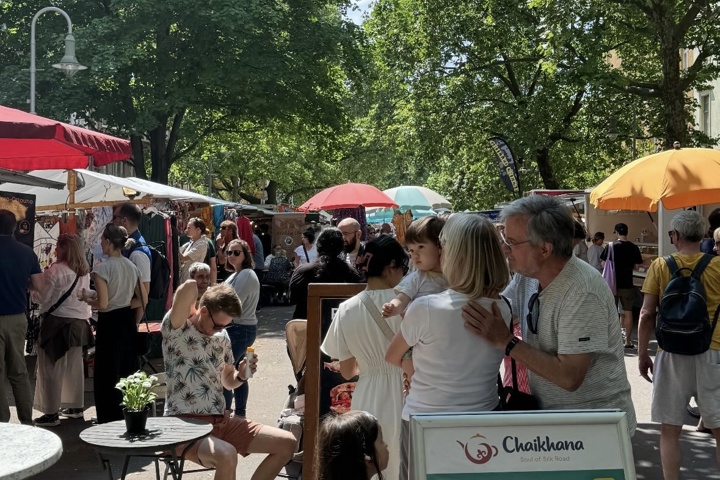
<point>608,422</point>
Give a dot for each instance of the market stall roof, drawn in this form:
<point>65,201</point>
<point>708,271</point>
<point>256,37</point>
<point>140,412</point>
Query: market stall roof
<point>98,188</point>
<point>32,142</point>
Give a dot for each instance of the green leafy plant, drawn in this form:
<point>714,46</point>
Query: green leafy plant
<point>137,390</point>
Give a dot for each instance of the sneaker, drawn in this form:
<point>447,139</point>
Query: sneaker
<point>47,420</point>
<point>72,412</point>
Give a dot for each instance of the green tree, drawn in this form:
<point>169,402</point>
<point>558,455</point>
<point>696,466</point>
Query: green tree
<point>170,74</point>
<point>471,70</point>
<point>662,50</point>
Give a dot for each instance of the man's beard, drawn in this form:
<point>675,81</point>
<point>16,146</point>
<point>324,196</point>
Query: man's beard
<point>350,247</point>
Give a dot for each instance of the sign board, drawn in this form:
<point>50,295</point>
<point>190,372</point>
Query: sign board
<point>542,445</point>
<point>23,206</point>
<point>323,390</point>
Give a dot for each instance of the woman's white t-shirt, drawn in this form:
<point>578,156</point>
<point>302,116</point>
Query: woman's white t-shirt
<point>455,370</point>
<point>311,254</point>
<point>58,280</point>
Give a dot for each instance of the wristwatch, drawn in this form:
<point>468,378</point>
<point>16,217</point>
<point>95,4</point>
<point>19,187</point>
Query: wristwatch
<point>511,344</point>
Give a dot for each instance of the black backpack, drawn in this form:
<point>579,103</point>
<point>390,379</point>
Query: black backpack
<point>160,271</point>
<point>683,325</point>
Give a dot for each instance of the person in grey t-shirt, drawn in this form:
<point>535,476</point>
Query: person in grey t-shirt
<point>573,345</point>
<point>243,329</point>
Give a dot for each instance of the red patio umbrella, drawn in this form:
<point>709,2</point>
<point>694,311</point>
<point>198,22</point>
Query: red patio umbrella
<point>31,142</point>
<point>348,195</point>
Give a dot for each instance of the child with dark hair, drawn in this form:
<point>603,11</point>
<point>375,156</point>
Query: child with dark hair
<point>351,447</point>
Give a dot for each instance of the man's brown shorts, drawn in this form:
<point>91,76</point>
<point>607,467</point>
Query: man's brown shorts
<point>627,298</point>
<point>237,431</point>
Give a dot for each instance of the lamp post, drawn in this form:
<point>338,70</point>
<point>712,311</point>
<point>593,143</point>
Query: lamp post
<point>68,64</point>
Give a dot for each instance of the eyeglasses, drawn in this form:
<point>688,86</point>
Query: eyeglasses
<point>511,245</point>
<point>348,234</point>
<point>216,327</point>
<point>533,316</point>
<point>234,252</point>
<point>670,233</point>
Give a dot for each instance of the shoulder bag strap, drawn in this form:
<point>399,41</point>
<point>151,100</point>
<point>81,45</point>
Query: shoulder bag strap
<point>379,320</point>
<point>64,297</point>
<point>307,257</point>
<point>611,253</point>
<point>512,360</point>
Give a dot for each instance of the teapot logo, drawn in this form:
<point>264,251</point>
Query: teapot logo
<point>478,450</point>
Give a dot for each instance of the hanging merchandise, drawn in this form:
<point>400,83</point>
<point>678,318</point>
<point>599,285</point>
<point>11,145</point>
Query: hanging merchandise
<point>45,243</point>
<point>398,222</point>
<point>98,218</point>
<point>245,232</point>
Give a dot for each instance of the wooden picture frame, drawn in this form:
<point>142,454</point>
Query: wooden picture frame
<point>317,294</point>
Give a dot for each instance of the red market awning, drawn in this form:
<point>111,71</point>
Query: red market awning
<point>31,142</point>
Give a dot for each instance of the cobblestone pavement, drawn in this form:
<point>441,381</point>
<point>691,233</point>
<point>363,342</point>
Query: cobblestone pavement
<point>268,392</point>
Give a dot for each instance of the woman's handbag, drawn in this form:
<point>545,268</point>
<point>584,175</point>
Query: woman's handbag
<point>609,270</point>
<point>512,398</point>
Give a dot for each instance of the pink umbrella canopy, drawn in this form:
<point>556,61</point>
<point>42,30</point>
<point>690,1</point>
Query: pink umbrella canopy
<point>348,195</point>
<point>31,142</point>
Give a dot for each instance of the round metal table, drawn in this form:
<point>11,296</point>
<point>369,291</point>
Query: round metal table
<point>27,450</point>
<point>161,437</point>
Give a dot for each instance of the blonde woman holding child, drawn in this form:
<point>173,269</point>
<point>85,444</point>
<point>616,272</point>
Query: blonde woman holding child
<point>454,371</point>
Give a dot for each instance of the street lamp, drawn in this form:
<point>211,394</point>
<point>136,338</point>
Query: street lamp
<point>68,64</point>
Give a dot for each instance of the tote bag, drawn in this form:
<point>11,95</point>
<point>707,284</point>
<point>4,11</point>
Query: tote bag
<point>609,270</point>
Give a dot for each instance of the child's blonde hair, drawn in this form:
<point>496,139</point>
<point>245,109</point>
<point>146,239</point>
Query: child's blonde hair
<point>473,261</point>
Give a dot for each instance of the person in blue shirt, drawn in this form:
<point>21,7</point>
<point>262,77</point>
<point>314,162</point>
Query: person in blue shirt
<point>19,268</point>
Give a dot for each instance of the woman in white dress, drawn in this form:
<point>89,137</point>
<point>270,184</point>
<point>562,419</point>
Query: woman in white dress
<point>360,344</point>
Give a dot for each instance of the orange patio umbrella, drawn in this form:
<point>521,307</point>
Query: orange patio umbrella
<point>680,178</point>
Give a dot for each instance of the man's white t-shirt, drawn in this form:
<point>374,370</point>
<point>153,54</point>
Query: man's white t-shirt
<point>455,370</point>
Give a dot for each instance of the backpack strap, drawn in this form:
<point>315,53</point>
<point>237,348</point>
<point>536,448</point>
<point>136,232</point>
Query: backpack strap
<point>700,267</point>
<point>671,263</point>
<point>379,320</point>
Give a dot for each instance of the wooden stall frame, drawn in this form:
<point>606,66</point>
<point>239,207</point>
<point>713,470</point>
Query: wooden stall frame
<point>317,292</point>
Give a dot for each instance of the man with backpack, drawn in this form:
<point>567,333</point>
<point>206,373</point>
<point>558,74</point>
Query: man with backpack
<point>685,290</point>
<point>129,216</point>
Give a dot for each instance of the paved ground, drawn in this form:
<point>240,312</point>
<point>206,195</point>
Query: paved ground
<point>268,392</point>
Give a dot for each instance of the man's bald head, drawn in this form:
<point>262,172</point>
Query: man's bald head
<point>350,229</point>
<point>349,223</point>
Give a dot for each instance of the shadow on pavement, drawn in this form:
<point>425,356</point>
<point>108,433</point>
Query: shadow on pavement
<point>697,452</point>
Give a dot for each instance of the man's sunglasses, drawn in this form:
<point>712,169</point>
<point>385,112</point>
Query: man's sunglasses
<point>234,252</point>
<point>216,327</point>
<point>533,316</point>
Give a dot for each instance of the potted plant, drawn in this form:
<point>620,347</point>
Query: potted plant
<point>137,395</point>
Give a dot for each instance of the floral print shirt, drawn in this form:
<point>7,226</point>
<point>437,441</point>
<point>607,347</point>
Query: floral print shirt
<point>193,364</point>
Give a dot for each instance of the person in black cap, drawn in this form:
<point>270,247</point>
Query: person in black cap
<point>626,256</point>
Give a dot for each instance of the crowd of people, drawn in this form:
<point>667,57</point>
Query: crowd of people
<point>439,315</point>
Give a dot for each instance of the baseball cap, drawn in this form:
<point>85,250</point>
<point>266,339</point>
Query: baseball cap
<point>621,229</point>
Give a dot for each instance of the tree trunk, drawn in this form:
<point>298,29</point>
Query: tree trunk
<point>542,157</point>
<point>138,154</point>
<point>158,152</point>
<point>271,191</point>
<point>672,95</point>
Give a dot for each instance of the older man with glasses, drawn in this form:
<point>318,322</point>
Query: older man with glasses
<point>572,345</point>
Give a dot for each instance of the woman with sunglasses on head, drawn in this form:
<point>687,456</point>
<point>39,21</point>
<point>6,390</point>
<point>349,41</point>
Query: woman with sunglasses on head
<point>228,232</point>
<point>243,329</point>
<point>356,339</point>
<point>454,370</point>
<point>117,281</point>
<point>194,250</point>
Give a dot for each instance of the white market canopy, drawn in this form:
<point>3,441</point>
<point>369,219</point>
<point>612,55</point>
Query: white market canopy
<point>99,188</point>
